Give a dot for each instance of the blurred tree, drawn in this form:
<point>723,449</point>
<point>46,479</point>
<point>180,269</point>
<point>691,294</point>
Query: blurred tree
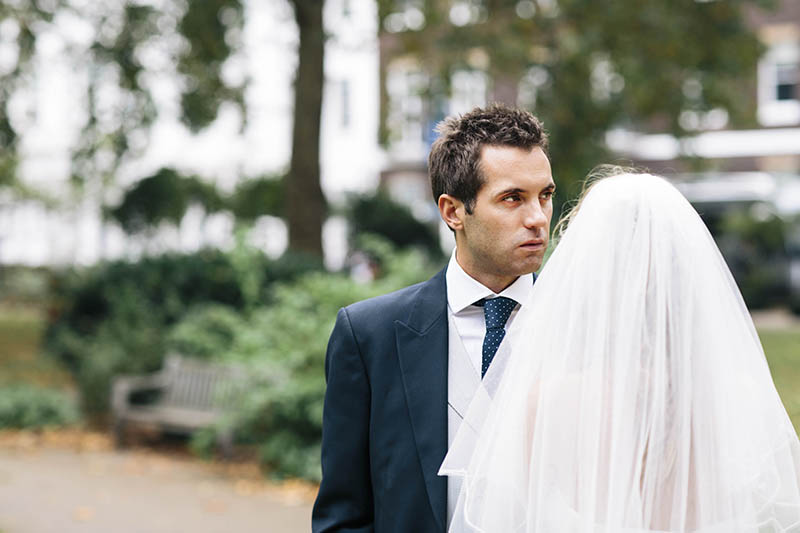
<point>198,37</point>
<point>132,48</point>
<point>19,20</point>
<point>582,66</point>
<point>122,51</point>
<point>305,203</point>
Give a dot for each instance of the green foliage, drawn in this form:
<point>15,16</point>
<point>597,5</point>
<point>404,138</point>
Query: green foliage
<point>208,27</point>
<point>27,406</point>
<point>780,347</point>
<point>165,196</point>
<point>256,197</point>
<point>19,284</point>
<point>588,65</point>
<point>162,197</point>
<point>121,30</point>
<point>205,332</point>
<point>380,215</point>
<point>118,317</point>
<point>193,40</point>
<point>755,250</point>
<point>21,358</point>
<point>127,45</point>
<point>762,236</point>
<point>203,442</point>
<point>25,15</point>
<point>284,344</point>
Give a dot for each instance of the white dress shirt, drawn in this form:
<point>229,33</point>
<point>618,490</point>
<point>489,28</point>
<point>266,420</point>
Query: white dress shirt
<point>463,291</point>
<point>466,329</point>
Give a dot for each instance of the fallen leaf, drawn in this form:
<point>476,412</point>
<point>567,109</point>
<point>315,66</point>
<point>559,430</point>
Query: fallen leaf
<point>83,514</point>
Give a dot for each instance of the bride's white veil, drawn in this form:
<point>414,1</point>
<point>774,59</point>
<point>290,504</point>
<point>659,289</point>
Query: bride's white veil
<point>637,396</point>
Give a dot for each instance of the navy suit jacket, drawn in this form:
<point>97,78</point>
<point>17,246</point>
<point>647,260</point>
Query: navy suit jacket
<point>384,428</point>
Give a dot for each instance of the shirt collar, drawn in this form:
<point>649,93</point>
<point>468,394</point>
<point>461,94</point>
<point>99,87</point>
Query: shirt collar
<point>464,290</point>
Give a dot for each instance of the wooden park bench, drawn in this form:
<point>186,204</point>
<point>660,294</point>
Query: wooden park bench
<point>186,395</point>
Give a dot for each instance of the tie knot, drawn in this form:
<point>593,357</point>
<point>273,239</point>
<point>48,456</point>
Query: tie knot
<point>497,310</point>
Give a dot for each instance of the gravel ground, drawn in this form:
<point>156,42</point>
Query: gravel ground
<point>90,488</point>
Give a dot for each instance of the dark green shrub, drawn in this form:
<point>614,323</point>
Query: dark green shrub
<point>206,332</point>
<point>115,318</point>
<point>755,250</point>
<point>27,406</point>
<point>284,347</point>
<point>255,197</point>
<point>380,215</point>
<point>163,197</point>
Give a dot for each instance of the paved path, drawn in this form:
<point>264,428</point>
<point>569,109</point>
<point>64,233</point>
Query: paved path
<point>47,489</point>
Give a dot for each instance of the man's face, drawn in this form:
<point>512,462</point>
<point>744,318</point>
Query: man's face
<point>507,233</point>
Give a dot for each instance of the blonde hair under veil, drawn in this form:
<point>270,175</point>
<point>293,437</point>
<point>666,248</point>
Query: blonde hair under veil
<point>637,397</point>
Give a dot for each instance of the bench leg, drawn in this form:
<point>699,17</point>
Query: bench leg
<point>118,429</point>
<point>225,443</point>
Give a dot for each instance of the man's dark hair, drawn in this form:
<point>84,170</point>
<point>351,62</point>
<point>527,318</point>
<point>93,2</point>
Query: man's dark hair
<point>454,161</point>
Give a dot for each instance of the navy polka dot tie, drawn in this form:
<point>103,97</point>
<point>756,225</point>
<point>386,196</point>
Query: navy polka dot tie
<point>496,312</point>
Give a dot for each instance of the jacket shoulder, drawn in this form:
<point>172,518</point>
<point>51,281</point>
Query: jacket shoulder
<point>396,305</point>
<point>391,303</point>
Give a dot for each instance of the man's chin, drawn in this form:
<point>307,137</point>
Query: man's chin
<point>528,267</point>
<point>531,262</point>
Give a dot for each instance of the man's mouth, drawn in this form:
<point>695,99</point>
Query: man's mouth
<point>533,244</point>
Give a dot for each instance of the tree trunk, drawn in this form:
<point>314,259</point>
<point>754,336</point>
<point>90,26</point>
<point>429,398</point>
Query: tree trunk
<point>305,203</point>
<point>505,89</point>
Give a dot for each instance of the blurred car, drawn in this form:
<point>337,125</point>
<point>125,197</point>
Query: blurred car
<point>755,219</point>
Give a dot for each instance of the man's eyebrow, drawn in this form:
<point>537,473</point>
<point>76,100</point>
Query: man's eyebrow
<point>516,190</point>
<point>513,190</point>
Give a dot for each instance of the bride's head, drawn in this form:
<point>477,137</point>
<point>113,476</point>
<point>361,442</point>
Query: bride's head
<point>621,192</point>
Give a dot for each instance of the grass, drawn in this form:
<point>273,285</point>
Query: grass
<point>782,348</point>
<point>21,360</point>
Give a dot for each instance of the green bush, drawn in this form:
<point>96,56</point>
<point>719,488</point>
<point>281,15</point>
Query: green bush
<point>755,250</point>
<point>378,214</point>
<point>206,332</point>
<point>27,406</point>
<point>272,317</point>
<point>117,317</point>
<point>26,285</point>
<point>284,347</point>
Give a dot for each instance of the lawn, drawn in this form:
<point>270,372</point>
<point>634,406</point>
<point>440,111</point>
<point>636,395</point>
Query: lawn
<point>782,347</point>
<point>21,329</point>
<point>21,360</point>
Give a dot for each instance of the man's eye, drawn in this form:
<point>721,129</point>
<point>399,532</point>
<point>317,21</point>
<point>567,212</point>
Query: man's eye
<point>512,198</point>
<point>547,195</point>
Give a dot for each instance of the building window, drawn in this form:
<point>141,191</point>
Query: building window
<point>786,81</point>
<point>778,85</point>
<point>345,104</point>
<point>405,85</point>
<point>468,90</point>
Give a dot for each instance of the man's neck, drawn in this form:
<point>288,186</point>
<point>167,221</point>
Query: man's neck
<point>493,282</point>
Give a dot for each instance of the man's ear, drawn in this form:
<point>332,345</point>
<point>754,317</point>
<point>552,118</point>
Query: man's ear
<point>452,211</point>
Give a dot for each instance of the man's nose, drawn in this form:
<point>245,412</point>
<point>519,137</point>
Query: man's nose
<point>535,216</point>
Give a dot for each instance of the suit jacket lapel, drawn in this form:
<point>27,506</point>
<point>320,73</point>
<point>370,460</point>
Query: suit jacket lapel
<point>422,350</point>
